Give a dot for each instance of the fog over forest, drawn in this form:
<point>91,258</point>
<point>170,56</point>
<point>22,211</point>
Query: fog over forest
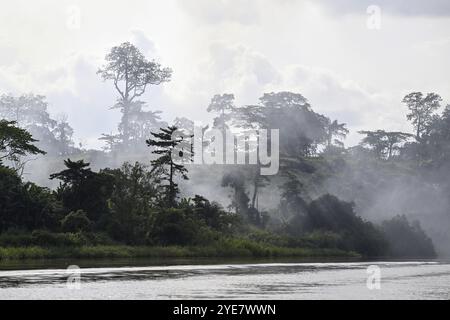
<point>364,133</point>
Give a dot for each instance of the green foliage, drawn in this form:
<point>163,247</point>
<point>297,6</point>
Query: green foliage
<point>407,240</point>
<point>30,113</point>
<point>15,142</point>
<point>333,217</point>
<point>81,188</point>
<point>166,144</point>
<point>335,130</point>
<point>140,206</point>
<point>228,248</point>
<point>384,144</point>
<point>301,129</point>
<point>179,227</point>
<point>135,193</point>
<point>25,205</point>
<point>76,221</point>
<point>421,110</point>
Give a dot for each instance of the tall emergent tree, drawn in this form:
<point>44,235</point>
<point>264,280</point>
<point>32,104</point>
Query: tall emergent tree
<point>131,74</point>
<point>301,129</point>
<point>223,105</point>
<point>421,110</point>
<point>166,143</point>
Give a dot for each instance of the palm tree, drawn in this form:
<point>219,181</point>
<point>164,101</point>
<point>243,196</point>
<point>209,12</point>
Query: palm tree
<point>335,129</point>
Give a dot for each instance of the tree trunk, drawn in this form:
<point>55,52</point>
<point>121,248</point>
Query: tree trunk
<point>171,187</point>
<point>255,192</point>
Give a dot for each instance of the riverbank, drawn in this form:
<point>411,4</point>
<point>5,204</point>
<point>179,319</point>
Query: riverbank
<point>236,250</point>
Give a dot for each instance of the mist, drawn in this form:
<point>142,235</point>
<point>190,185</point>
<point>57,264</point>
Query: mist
<point>361,132</point>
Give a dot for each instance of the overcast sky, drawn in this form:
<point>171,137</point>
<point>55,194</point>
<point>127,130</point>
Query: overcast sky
<point>321,49</point>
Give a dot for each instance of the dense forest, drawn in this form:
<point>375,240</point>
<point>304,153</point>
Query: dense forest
<point>387,196</point>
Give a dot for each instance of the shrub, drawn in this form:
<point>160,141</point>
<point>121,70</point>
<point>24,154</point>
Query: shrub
<point>76,221</point>
<point>407,240</point>
<point>341,228</point>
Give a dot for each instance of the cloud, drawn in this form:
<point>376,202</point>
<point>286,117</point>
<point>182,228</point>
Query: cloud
<point>140,40</point>
<point>346,71</point>
<point>220,11</point>
<point>394,7</point>
<point>238,69</point>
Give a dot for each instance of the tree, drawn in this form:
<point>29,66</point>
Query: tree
<point>335,129</point>
<point>25,206</point>
<point>291,201</point>
<point>63,133</point>
<point>375,141</point>
<point>81,188</point>
<point>259,181</point>
<point>301,129</point>
<point>76,221</point>
<point>75,174</point>
<point>135,193</point>
<point>111,141</point>
<point>394,139</point>
<point>16,143</point>
<point>439,139</point>
<point>223,105</point>
<point>30,113</point>
<point>384,143</point>
<point>166,143</point>
<point>131,74</point>
<point>240,200</point>
<point>407,240</point>
<point>328,213</point>
<point>421,110</point>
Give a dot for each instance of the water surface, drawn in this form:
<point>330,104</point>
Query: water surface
<point>182,279</point>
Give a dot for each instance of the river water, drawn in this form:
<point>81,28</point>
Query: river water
<point>233,280</point>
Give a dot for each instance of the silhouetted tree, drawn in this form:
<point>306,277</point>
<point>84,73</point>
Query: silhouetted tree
<point>384,143</point>
<point>81,188</point>
<point>16,143</point>
<point>328,213</point>
<point>131,74</point>
<point>26,206</point>
<point>30,113</point>
<point>291,200</point>
<point>394,140</point>
<point>166,143</point>
<point>223,105</point>
<point>407,240</point>
<point>335,130</point>
<point>301,129</point>
<point>240,200</point>
<point>421,110</point>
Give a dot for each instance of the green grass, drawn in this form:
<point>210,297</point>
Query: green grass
<point>224,248</point>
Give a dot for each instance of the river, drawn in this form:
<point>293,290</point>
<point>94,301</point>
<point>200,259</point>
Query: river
<point>184,279</point>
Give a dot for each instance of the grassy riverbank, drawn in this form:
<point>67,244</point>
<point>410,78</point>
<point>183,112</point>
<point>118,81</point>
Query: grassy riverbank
<point>226,249</point>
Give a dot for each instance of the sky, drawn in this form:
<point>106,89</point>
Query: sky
<point>354,60</point>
